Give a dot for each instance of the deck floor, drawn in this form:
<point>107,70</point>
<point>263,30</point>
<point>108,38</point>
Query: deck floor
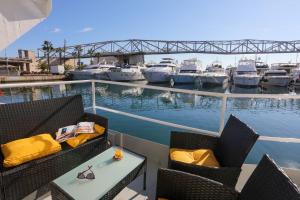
<point>134,191</point>
<point>157,155</point>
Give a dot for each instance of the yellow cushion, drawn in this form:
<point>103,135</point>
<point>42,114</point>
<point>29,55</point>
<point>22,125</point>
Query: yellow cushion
<point>159,198</point>
<point>204,157</point>
<point>82,138</point>
<point>27,149</point>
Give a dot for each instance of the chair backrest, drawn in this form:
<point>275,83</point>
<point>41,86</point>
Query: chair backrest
<point>236,141</point>
<point>267,182</point>
<point>20,120</point>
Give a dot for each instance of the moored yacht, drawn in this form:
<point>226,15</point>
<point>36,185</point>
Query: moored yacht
<point>261,67</point>
<point>187,73</point>
<point>275,78</point>
<point>295,76</point>
<point>288,67</point>
<point>214,75</point>
<point>161,72</point>
<point>126,73</point>
<point>97,71</point>
<point>246,74</point>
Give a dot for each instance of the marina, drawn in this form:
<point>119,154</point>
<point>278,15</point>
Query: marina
<point>181,108</point>
<point>187,112</point>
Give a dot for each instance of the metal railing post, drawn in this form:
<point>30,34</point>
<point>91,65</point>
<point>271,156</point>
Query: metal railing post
<point>222,114</point>
<point>93,97</point>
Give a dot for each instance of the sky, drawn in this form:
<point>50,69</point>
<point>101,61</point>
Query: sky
<point>84,21</point>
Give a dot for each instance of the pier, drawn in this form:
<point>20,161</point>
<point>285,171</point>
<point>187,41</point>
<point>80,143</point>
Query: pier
<point>6,79</point>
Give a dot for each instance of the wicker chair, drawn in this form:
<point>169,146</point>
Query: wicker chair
<point>268,182</point>
<point>22,120</point>
<point>230,149</point>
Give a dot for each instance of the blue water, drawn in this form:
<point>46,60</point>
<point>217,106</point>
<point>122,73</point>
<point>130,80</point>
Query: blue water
<point>269,117</point>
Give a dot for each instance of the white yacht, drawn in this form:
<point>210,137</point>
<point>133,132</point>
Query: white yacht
<point>246,74</point>
<point>161,72</point>
<point>295,76</point>
<point>187,73</point>
<point>261,67</point>
<point>276,78</point>
<point>126,73</point>
<point>97,71</point>
<point>214,75</point>
<point>288,67</point>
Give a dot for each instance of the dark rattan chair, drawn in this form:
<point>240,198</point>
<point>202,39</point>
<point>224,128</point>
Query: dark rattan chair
<point>268,182</point>
<point>230,149</point>
<point>22,120</point>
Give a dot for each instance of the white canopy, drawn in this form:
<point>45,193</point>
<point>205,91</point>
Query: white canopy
<point>19,16</point>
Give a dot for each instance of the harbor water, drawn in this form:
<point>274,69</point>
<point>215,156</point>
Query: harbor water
<point>269,117</point>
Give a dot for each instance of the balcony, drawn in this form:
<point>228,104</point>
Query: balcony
<point>142,116</point>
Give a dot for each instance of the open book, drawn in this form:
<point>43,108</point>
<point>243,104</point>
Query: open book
<point>67,132</point>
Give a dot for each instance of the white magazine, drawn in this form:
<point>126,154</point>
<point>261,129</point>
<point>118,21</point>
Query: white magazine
<point>65,133</point>
<point>85,127</point>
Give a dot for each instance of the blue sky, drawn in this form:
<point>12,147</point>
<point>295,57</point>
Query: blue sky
<point>83,21</point>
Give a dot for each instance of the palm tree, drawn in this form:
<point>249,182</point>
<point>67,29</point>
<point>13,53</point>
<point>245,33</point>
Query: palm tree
<point>47,47</point>
<point>98,55</point>
<point>77,52</point>
<point>91,53</point>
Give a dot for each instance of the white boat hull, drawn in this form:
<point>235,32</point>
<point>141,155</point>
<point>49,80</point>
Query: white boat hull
<point>125,76</point>
<point>89,75</point>
<point>183,78</point>
<point>101,76</point>
<point>216,80</point>
<point>157,77</point>
<point>276,80</point>
<point>246,80</point>
<point>78,75</point>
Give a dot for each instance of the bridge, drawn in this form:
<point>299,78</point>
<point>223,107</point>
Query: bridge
<point>132,47</point>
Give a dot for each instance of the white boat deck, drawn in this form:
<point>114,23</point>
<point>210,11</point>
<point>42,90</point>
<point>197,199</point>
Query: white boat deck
<point>157,157</point>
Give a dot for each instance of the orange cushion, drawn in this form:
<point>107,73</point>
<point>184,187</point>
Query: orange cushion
<point>203,157</point>
<point>24,150</point>
<point>82,138</point>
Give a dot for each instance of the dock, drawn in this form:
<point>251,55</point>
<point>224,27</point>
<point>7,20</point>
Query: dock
<point>8,79</point>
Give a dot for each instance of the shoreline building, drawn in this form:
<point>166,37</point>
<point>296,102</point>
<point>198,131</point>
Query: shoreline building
<point>25,62</point>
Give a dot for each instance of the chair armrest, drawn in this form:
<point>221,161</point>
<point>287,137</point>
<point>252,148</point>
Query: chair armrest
<point>225,175</point>
<point>187,140</point>
<point>97,119</point>
<point>172,184</point>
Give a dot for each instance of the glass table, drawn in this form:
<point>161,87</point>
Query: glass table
<point>111,176</point>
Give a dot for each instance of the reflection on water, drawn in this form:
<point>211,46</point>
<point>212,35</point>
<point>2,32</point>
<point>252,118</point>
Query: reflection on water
<point>270,117</point>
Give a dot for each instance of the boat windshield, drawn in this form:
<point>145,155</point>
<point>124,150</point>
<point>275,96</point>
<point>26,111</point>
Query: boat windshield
<point>96,67</point>
<point>276,74</point>
<point>164,65</point>
<point>246,72</point>
<point>188,71</point>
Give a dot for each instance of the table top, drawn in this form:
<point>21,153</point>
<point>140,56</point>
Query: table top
<point>108,173</point>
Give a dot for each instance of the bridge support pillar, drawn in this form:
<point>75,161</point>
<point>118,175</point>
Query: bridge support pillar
<point>131,59</point>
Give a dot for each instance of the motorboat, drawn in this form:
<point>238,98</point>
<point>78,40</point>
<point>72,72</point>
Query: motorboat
<point>246,74</point>
<point>295,78</point>
<point>161,72</point>
<point>261,67</point>
<point>288,67</point>
<point>97,71</point>
<point>276,78</point>
<point>214,74</point>
<point>126,73</point>
<point>187,73</point>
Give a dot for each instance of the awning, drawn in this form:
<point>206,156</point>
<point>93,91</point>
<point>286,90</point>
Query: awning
<point>19,16</point>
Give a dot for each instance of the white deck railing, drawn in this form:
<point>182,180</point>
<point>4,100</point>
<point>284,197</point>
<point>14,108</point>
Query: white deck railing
<point>223,96</point>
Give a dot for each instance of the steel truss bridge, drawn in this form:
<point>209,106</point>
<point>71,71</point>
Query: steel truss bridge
<point>150,47</point>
